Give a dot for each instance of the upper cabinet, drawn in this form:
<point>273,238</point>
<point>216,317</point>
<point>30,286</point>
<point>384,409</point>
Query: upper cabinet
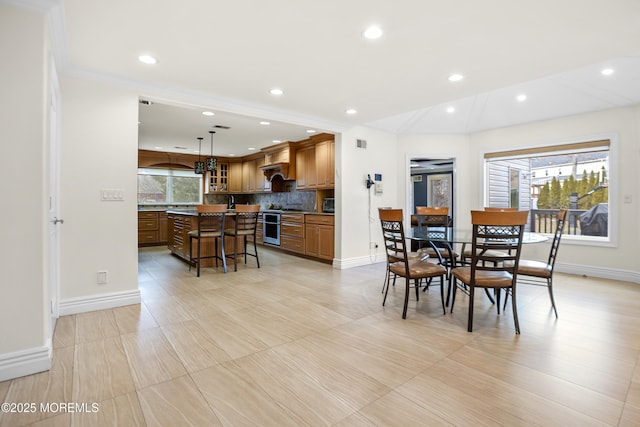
<point>235,177</point>
<point>325,164</point>
<point>315,163</point>
<point>306,168</point>
<point>218,180</point>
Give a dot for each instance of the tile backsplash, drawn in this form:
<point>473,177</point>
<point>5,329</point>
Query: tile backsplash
<point>302,200</point>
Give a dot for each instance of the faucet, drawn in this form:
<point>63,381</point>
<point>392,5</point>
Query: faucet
<point>231,203</point>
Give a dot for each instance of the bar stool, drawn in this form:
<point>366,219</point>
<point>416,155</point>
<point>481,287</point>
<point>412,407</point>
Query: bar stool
<point>210,226</point>
<point>246,220</point>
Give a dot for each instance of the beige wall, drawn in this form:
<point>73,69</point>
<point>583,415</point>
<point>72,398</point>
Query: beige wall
<point>23,115</point>
<point>357,218</point>
<point>99,151</point>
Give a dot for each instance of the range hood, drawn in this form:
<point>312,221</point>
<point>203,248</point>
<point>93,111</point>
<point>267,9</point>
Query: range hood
<point>281,169</point>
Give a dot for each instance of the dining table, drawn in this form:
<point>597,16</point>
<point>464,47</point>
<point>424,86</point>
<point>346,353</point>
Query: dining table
<point>446,237</point>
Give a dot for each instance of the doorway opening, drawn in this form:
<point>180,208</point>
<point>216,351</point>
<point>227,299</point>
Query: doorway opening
<point>433,183</point>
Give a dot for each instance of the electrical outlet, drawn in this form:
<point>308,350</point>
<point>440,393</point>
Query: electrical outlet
<point>102,277</point>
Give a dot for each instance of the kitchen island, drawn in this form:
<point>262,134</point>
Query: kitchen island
<point>310,234</point>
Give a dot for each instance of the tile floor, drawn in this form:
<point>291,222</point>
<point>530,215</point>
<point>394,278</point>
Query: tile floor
<point>299,343</point>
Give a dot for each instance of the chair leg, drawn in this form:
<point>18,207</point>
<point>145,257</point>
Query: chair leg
<point>553,302</point>
<point>386,292</point>
<point>470,320</point>
<point>244,244</point>
<point>515,310</point>
<point>416,284</point>
<point>406,297</point>
<point>455,291</point>
<point>215,249</point>
<point>497,293</point>
<point>198,260</point>
<point>255,248</point>
<point>387,277</point>
<point>235,252</point>
<point>224,256</point>
<point>486,291</point>
<point>442,294</point>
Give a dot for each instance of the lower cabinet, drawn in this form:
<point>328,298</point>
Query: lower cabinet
<point>152,228</point>
<point>179,226</point>
<point>292,232</point>
<point>319,236</point>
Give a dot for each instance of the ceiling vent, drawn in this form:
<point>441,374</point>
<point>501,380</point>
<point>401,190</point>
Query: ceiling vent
<point>221,127</point>
<point>361,143</point>
<point>145,102</point>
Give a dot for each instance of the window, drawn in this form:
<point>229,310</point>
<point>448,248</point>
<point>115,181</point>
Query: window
<point>514,187</point>
<point>579,182</point>
<point>169,186</point>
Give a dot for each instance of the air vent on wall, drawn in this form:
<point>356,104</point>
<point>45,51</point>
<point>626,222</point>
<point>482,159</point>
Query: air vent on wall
<point>361,143</point>
<point>222,127</point>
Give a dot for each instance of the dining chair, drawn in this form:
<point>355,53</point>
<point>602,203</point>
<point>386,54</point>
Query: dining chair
<point>466,253</point>
<point>246,222</point>
<point>498,231</point>
<point>211,220</point>
<point>398,261</point>
<point>534,270</point>
<point>436,218</point>
<point>413,256</point>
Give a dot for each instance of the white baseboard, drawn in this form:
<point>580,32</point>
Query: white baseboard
<point>98,302</point>
<point>599,272</point>
<point>25,362</point>
<point>343,264</point>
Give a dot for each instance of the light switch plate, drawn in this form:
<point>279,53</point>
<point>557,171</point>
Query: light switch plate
<point>112,195</point>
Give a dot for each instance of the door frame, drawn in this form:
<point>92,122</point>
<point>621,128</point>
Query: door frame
<point>53,201</point>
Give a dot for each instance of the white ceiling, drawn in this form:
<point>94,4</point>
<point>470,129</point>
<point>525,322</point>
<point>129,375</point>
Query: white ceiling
<point>226,56</point>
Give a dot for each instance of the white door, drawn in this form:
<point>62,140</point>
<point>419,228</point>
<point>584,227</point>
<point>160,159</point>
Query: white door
<point>53,208</point>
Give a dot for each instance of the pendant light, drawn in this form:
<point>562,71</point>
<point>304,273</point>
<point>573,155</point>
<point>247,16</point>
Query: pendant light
<point>212,162</point>
<point>199,166</point>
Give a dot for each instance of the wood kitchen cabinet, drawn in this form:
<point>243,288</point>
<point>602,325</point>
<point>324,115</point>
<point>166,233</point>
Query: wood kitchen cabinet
<point>292,232</point>
<point>235,177</point>
<point>306,178</point>
<point>325,164</point>
<point>217,181</point>
<point>262,183</point>
<point>249,176</point>
<point>319,240</point>
<point>152,228</point>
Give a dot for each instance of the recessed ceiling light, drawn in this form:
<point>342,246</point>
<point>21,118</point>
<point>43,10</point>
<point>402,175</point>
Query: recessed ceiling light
<point>351,111</point>
<point>522,97</point>
<point>607,71</point>
<point>373,32</point>
<point>276,141</point>
<point>147,59</point>
<point>276,91</point>
<point>208,113</point>
<point>251,148</point>
<point>232,154</point>
<point>455,77</point>
<point>159,148</point>
<point>265,123</point>
<point>451,110</point>
<point>311,131</point>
